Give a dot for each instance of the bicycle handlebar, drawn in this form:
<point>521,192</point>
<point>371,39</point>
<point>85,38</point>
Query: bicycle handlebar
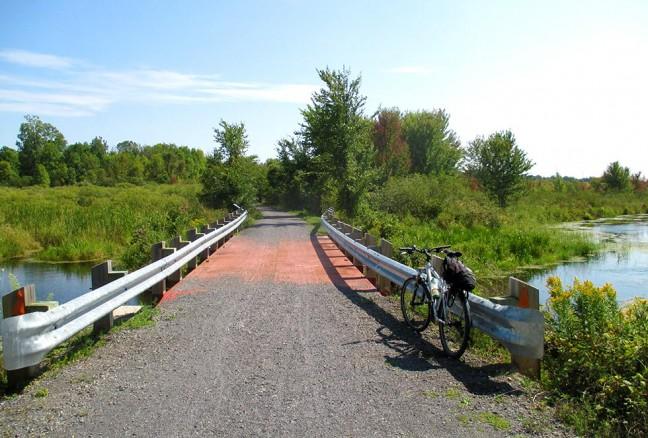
<point>412,249</point>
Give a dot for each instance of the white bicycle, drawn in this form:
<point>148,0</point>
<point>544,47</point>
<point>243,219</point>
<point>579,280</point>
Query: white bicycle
<point>427,295</point>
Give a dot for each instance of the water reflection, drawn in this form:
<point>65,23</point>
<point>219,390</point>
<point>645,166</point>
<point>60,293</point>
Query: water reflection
<point>624,263</point>
<point>60,282</point>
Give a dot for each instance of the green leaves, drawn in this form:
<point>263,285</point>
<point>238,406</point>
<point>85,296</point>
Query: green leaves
<point>616,177</point>
<point>596,356</point>
<point>434,147</point>
<point>231,177</point>
<point>499,165</point>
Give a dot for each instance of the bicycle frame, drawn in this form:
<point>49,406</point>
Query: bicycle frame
<point>439,305</point>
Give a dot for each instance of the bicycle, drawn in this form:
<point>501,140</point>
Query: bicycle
<point>426,296</point>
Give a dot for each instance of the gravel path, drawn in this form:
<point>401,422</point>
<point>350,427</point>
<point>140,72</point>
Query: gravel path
<point>275,335</point>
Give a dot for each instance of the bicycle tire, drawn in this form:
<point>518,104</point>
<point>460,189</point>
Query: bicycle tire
<point>454,330</point>
<point>412,309</point>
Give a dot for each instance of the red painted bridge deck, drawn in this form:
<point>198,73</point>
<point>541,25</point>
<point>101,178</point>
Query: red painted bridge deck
<point>314,261</point>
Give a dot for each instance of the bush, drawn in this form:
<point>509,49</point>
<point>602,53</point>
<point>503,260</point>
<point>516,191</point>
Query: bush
<point>597,358</point>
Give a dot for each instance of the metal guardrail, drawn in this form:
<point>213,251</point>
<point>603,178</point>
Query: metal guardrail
<point>28,338</point>
<point>520,330</point>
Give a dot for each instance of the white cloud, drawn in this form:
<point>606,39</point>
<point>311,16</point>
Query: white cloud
<point>33,59</point>
<point>81,90</point>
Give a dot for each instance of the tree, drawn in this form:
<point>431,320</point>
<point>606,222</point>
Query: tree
<point>41,178</point>
<point>99,147</point>
<point>392,151</point>
<point>616,177</point>
<point>499,165</point>
<point>128,146</point>
<point>232,141</point>
<point>338,138</point>
<point>41,143</point>
<point>82,162</point>
<point>8,174</point>
<point>434,147</point>
<point>230,176</point>
<point>9,166</point>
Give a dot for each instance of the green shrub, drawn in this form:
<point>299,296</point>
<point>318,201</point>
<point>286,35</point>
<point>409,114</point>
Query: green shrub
<point>596,358</point>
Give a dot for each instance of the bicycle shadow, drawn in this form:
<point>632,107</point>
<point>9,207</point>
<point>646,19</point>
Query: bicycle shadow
<point>414,352</point>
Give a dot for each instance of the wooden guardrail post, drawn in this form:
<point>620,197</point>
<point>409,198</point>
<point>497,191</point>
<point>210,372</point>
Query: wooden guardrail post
<point>192,235</point>
<point>384,284</point>
<point>103,274</point>
<point>370,242</point>
<point>357,235</point>
<point>156,292</point>
<point>206,229</point>
<point>528,297</point>
<point>176,243</point>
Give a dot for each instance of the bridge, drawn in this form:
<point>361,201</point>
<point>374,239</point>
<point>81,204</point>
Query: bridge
<point>276,333</point>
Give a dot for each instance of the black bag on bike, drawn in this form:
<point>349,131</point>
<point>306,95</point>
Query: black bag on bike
<point>458,275</point>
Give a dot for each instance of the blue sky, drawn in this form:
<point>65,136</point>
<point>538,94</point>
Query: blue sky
<point>568,78</point>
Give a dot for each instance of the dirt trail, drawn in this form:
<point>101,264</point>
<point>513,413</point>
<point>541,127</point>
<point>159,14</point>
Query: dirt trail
<point>277,334</point>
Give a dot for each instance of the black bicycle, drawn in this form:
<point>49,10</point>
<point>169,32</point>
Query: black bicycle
<point>442,296</point>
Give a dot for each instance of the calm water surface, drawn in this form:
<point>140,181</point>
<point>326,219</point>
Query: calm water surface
<point>60,282</point>
<point>624,263</point>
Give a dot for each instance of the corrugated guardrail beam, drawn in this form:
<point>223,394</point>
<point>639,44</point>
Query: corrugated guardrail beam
<point>28,338</point>
<point>520,330</point>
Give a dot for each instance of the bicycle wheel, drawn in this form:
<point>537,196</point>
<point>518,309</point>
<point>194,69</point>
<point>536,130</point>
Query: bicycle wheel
<point>454,330</point>
<point>416,304</point>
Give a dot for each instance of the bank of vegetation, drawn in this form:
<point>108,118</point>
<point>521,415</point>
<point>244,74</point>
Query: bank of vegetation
<point>79,223</point>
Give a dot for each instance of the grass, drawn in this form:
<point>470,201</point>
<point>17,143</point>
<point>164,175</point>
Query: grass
<point>144,318</point>
<point>41,393</point>
<point>81,223</point>
<point>429,211</point>
<point>494,420</point>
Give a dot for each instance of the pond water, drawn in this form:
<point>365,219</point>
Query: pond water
<point>623,263</point>
<point>60,282</point>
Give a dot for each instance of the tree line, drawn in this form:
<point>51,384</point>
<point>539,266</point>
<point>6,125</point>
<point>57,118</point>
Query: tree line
<point>43,157</point>
<point>337,155</point>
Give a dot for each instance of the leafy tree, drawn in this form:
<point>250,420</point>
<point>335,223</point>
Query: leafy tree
<point>616,177</point>
<point>41,143</point>
<point>295,178</point>
<point>392,152</point>
<point>128,146</point>
<point>82,162</point>
<point>230,176</point>
<point>41,178</point>
<point>10,156</point>
<point>8,174</point>
<point>232,141</point>
<point>338,138</point>
<point>9,166</point>
<point>99,147</point>
<point>499,165</point>
<point>434,147</point>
